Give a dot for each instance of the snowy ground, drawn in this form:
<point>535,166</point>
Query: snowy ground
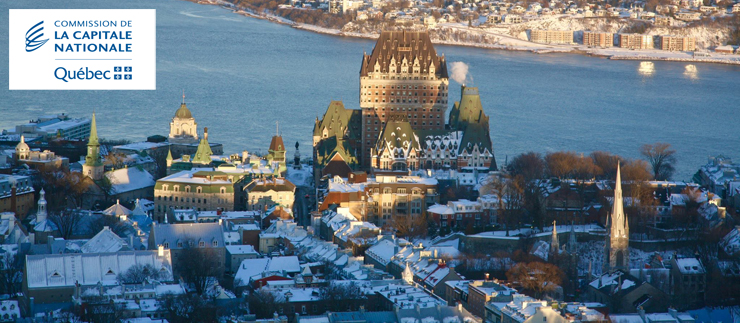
<point>593,252</point>
<point>300,177</point>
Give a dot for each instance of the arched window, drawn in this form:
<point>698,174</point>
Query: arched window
<point>177,188</point>
<point>187,189</point>
<point>223,190</point>
<point>199,189</point>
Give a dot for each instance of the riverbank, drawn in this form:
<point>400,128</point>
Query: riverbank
<point>499,41</point>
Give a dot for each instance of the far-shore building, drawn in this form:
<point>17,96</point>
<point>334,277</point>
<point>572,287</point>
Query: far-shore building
<point>552,36</point>
<point>678,43</point>
<point>183,136</point>
<point>598,39</point>
<point>635,41</point>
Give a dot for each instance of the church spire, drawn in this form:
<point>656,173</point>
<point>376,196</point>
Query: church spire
<point>93,166</point>
<point>617,244</point>
<point>93,132</point>
<point>555,244</point>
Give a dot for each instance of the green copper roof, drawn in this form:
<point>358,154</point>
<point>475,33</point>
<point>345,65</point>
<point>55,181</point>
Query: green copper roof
<point>183,112</point>
<point>93,139</point>
<point>468,110</point>
<point>204,152</point>
<point>339,122</point>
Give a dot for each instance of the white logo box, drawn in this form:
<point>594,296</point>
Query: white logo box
<point>96,42</point>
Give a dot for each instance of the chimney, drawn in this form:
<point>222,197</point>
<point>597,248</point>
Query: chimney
<point>205,133</point>
<point>160,251</point>
<point>13,204</point>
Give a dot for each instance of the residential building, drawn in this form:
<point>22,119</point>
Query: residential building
<point>664,21</point>
<point>396,197</point>
<point>635,41</point>
<point>177,237</point>
<point>511,19</point>
<point>678,43</point>
<point>403,75</point>
<point>235,254</point>
<point>551,36</point>
<point>624,293</point>
<point>461,214</point>
<point>689,282</point>
<point>16,195</point>
<point>130,184</point>
<point>264,194</point>
<point>598,39</point>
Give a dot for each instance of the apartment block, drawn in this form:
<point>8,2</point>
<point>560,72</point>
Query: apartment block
<point>598,39</point>
<point>678,43</point>
<point>635,41</point>
<point>552,36</point>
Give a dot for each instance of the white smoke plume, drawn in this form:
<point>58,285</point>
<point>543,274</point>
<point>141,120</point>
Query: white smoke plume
<point>459,72</point>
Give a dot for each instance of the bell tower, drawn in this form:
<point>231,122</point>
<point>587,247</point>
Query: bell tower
<point>93,166</point>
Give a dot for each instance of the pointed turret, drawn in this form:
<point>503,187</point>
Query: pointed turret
<point>169,158</point>
<point>93,166</point>
<point>204,152</point>
<point>41,210</point>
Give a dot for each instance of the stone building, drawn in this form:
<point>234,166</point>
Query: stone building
<point>16,195</point>
<point>689,282</point>
<point>177,237</point>
<point>183,128</point>
<point>403,75</point>
<point>198,189</point>
<point>616,249</point>
<point>264,194</point>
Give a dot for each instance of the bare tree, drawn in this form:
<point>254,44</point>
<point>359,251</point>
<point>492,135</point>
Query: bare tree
<point>109,221</point>
<point>104,312</point>
<point>263,303</point>
<point>138,274</point>
<point>635,170</point>
<point>560,163</point>
<point>662,159</point>
<point>340,296</point>
<point>409,225</point>
<point>196,266</point>
<point>11,271</point>
<point>66,221</point>
<point>530,165</point>
<point>187,308</point>
<point>537,277</point>
<point>606,162</point>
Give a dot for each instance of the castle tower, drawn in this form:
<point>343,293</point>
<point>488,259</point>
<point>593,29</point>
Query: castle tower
<point>93,166</point>
<point>617,242</point>
<point>41,210</point>
<point>183,128</point>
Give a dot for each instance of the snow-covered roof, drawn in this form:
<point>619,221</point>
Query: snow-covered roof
<point>241,249</point>
<point>129,179</point>
<point>690,266</point>
<point>105,241</point>
<point>382,251</point>
<point>117,210</point>
<point>64,270</point>
<point>251,269</point>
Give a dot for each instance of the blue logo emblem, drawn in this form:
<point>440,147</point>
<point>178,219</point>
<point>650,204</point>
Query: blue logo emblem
<point>32,37</point>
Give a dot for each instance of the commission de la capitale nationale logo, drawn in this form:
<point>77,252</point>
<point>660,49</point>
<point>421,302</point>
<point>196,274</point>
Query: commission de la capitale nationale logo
<point>33,35</point>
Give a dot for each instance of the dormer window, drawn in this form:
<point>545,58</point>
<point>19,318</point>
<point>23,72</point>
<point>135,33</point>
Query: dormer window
<point>215,243</point>
<point>202,244</point>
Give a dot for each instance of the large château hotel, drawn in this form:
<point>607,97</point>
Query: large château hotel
<point>401,122</point>
<point>402,76</point>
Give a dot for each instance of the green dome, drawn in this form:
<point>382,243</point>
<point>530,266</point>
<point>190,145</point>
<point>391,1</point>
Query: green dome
<point>183,112</point>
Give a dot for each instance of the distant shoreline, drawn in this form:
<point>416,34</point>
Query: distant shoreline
<point>576,49</point>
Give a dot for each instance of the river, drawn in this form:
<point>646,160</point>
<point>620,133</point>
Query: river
<point>241,75</point>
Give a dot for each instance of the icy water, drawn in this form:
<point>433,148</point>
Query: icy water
<point>241,75</point>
